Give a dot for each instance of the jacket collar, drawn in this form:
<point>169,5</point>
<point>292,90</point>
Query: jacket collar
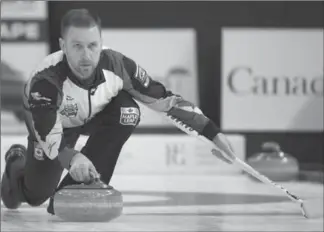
<point>93,81</point>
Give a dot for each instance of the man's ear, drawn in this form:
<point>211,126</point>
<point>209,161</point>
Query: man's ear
<point>62,44</point>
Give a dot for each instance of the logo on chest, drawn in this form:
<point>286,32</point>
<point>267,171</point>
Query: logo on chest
<point>70,108</point>
<point>129,116</point>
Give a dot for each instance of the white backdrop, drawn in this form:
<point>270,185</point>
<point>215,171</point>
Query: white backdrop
<point>272,79</point>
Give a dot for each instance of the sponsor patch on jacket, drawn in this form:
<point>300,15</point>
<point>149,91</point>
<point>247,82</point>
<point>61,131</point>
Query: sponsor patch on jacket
<point>70,108</point>
<point>129,116</point>
<point>142,76</point>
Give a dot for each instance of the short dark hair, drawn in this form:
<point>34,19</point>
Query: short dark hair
<point>79,18</point>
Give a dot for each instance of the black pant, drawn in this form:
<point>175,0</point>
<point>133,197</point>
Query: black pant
<point>107,135</point>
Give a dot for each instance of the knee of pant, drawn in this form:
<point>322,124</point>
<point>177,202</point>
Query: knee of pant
<point>37,200</point>
<point>37,196</point>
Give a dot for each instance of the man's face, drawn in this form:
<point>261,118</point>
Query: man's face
<point>82,47</point>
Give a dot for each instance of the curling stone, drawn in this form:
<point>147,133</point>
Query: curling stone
<point>95,202</point>
<point>274,163</point>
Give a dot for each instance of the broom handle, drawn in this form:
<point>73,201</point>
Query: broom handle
<point>254,173</point>
<point>264,179</point>
<point>236,160</point>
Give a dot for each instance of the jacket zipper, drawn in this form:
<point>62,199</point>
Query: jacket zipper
<point>89,102</point>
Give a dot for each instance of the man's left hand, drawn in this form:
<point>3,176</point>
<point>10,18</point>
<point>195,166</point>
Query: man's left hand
<point>224,150</point>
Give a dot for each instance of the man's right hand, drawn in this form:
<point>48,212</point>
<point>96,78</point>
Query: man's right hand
<point>82,169</point>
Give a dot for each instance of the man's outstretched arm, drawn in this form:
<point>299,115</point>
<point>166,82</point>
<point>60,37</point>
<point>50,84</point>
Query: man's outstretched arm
<point>182,113</point>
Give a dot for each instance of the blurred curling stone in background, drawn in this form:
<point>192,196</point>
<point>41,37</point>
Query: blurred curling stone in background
<point>95,202</point>
<point>274,163</point>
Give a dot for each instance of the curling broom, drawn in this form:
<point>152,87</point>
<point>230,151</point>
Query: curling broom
<point>312,208</point>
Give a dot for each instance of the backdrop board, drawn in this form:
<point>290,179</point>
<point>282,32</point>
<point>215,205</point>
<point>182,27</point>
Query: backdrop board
<point>272,79</point>
<point>24,34</point>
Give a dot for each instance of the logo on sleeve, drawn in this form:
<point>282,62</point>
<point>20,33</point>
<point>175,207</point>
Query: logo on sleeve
<point>129,116</point>
<point>37,100</point>
<point>38,97</point>
<point>38,151</point>
<point>142,76</point>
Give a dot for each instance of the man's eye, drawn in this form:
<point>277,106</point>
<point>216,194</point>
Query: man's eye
<point>94,45</point>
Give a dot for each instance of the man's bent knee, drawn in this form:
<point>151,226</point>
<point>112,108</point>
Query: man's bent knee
<point>37,198</point>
